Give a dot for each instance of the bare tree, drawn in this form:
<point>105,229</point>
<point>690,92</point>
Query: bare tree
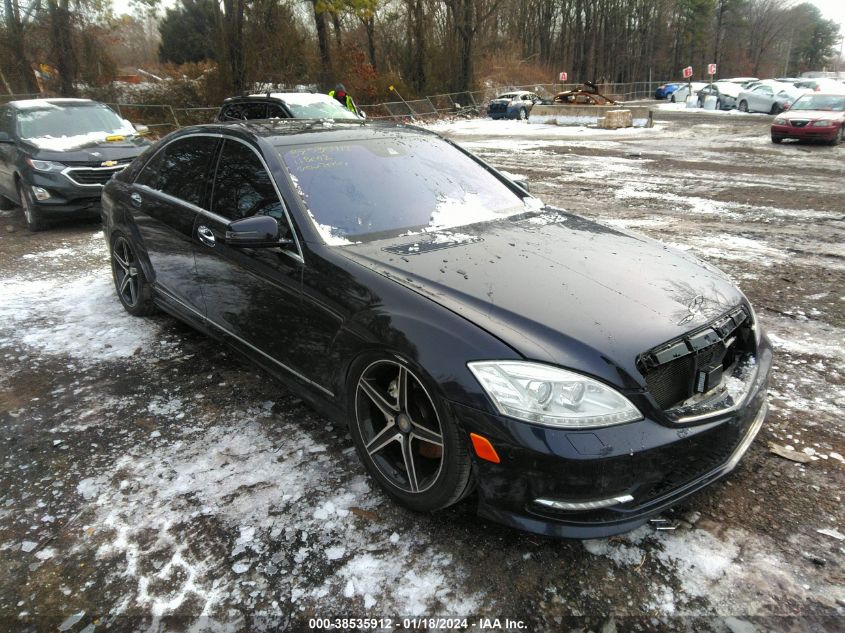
<point>15,39</point>
<point>468,16</point>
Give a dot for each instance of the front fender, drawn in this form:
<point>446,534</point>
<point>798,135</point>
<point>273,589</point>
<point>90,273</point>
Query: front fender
<point>436,340</point>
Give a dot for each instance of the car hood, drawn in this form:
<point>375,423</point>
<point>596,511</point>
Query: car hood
<point>559,288</point>
<point>812,115</point>
<point>90,151</point>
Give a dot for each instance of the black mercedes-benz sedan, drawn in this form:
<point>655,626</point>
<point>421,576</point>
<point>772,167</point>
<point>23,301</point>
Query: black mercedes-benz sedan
<point>579,378</point>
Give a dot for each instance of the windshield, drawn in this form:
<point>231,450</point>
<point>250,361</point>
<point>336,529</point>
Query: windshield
<point>319,109</point>
<point>820,102</point>
<point>389,186</point>
<point>54,121</point>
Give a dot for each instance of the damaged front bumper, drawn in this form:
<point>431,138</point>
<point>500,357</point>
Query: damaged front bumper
<point>601,482</point>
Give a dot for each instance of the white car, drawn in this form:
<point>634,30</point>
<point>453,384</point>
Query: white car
<point>681,94</point>
<point>765,96</point>
<point>284,105</point>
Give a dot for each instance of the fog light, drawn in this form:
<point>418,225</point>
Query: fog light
<point>41,193</point>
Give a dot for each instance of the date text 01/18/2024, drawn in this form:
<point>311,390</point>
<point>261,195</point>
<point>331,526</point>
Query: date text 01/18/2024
<point>416,623</point>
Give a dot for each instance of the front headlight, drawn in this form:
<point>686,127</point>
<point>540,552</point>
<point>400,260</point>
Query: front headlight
<point>44,165</point>
<point>780,121</point>
<point>823,123</point>
<point>551,396</point>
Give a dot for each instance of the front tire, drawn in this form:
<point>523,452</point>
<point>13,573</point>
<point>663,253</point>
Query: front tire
<point>837,139</point>
<point>405,436</point>
<point>777,139</point>
<point>130,283</point>
<point>743,106</point>
<point>32,214</point>
<point>523,114</point>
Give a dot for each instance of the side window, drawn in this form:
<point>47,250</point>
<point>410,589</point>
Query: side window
<point>276,112</point>
<point>7,121</point>
<point>242,186</point>
<point>244,111</point>
<point>181,168</point>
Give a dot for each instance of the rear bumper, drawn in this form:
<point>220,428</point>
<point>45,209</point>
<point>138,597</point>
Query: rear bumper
<point>807,132</point>
<point>635,470</point>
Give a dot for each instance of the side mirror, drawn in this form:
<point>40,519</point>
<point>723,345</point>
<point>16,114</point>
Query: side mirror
<point>5,138</point>
<point>523,184</point>
<point>258,231</point>
<point>142,130</point>
<point>363,114</point>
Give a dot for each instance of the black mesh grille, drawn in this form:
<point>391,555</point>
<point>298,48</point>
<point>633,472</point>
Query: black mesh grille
<point>696,458</point>
<point>672,382</point>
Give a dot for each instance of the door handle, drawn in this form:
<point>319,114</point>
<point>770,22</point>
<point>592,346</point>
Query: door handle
<point>205,235</point>
<point>136,200</point>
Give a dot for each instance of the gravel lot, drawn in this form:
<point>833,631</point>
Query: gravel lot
<point>151,480</point>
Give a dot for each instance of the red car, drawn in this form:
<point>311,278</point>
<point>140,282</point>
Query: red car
<point>816,116</point>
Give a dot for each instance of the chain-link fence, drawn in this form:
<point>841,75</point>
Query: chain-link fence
<point>159,118</point>
<point>617,91</point>
<point>162,118</point>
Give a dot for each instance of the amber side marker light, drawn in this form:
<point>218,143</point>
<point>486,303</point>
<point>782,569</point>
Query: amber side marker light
<point>484,449</point>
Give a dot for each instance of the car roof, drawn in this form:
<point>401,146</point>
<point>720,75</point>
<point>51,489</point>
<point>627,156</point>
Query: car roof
<point>32,104</point>
<point>287,97</point>
<point>280,132</point>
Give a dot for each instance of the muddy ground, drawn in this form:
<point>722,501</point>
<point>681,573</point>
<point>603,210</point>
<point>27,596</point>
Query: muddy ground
<point>150,480</point>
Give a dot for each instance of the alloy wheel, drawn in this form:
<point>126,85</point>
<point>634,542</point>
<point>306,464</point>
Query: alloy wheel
<point>399,426</point>
<point>125,266</point>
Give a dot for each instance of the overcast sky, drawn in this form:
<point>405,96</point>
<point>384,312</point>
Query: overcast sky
<point>832,9</point>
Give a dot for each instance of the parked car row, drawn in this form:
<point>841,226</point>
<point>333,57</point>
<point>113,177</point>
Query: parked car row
<point>748,94</point>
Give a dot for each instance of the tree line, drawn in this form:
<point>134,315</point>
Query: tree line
<point>418,46</point>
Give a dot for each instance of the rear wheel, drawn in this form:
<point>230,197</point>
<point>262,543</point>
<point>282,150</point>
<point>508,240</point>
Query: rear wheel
<point>131,285</point>
<point>743,106</point>
<point>776,108</point>
<point>838,138</point>
<point>523,114</point>
<point>405,437</point>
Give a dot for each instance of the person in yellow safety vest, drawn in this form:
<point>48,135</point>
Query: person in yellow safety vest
<point>345,100</point>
